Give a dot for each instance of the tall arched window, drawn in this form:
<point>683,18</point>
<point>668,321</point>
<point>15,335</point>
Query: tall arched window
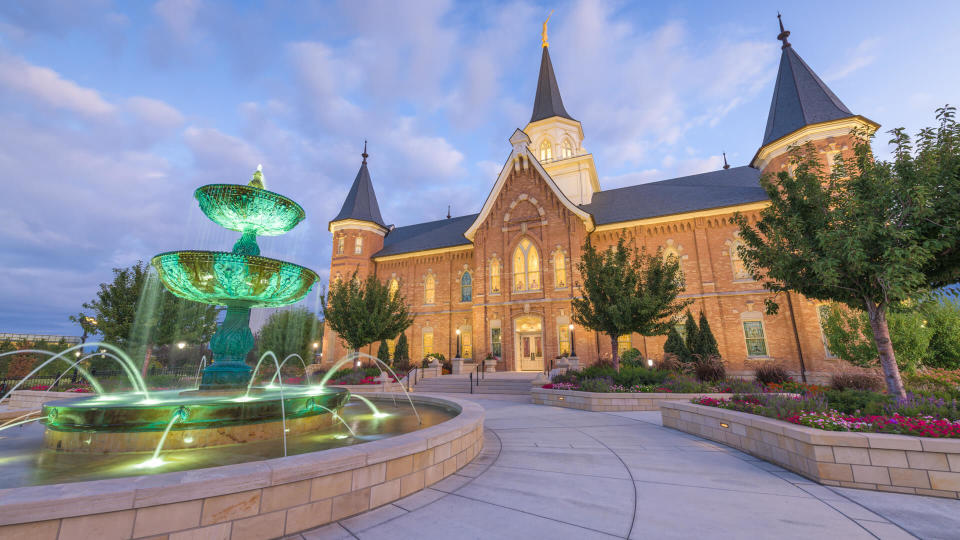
<point>394,287</point>
<point>466,288</point>
<point>340,246</point>
<point>559,270</point>
<point>429,289</point>
<point>526,267</point>
<point>566,150</point>
<point>546,151</point>
<point>495,276</point>
<point>358,245</point>
<point>739,268</point>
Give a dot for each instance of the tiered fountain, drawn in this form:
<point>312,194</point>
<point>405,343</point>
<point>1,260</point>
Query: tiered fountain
<point>226,408</point>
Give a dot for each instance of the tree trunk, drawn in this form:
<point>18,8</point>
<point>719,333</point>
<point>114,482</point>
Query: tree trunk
<point>888,359</point>
<point>615,352</point>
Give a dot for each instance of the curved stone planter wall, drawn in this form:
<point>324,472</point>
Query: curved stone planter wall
<point>610,401</point>
<point>262,499</point>
<point>875,461</point>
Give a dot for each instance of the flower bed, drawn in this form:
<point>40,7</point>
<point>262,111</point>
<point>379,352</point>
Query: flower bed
<point>607,401</point>
<point>857,459</point>
<point>915,415</point>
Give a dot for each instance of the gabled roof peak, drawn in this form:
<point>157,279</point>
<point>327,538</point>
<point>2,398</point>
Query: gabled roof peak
<point>361,202</point>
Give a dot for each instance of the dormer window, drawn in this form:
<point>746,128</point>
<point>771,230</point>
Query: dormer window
<point>566,150</point>
<point>546,151</point>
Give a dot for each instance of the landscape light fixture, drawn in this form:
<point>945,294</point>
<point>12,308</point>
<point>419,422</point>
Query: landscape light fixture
<point>181,345</point>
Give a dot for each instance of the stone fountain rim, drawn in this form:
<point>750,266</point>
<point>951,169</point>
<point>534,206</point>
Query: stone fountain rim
<point>56,501</point>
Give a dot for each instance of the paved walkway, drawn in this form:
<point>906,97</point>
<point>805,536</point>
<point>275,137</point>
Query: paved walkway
<point>548,472</point>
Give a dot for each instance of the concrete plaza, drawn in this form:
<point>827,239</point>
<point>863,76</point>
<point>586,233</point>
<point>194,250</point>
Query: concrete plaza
<point>547,472</point>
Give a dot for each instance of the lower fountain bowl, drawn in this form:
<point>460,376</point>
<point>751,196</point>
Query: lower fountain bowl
<point>134,423</point>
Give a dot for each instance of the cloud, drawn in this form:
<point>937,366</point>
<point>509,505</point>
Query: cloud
<point>153,112</point>
<point>860,57</point>
<point>46,86</point>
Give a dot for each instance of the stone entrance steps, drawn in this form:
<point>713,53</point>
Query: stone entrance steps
<point>516,384</point>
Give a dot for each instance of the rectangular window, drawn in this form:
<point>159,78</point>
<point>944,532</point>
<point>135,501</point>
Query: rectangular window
<point>427,342</point>
<point>563,330</point>
<point>340,246</point>
<point>624,344</point>
<point>358,245</point>
<point>756,341</point>
<point>496,346</point>
<point>823,311</point>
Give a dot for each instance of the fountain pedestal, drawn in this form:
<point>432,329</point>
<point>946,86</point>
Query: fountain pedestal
<point>230,346</point>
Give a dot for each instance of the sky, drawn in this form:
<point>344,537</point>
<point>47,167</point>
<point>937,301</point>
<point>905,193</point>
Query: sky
<point>112,113</point>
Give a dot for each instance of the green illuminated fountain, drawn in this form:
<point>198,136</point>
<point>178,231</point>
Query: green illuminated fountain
<point>240,279</point>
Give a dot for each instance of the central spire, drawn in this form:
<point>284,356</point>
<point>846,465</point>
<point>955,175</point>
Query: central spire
<point>547,102</point>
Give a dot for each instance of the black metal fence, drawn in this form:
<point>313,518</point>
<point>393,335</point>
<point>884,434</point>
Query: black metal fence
<point>73,378</point>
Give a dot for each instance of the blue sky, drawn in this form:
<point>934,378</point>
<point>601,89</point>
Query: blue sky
<point>112,113</point>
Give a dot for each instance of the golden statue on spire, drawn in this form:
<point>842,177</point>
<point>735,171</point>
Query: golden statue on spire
<point>544,34</point>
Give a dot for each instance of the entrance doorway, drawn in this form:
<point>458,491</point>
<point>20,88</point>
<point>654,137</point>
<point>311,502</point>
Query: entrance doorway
<point>529,342</point>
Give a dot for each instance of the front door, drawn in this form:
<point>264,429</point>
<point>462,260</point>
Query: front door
<point>531,352</point>
<point>529,343</point>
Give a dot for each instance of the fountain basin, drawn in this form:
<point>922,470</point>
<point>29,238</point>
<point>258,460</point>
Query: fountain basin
<point>132,423</point>
<point>250,209</point>
<point>231,279</point>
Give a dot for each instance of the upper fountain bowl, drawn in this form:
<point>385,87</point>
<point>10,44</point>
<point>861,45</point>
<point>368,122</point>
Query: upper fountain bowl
<point>249,209</point>
<point>230,279</point>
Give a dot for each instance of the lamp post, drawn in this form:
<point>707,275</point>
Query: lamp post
<point>316,347</point>
<point>573,343</point>
<point>458,343</point>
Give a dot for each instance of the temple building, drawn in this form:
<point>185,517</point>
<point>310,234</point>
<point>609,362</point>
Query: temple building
<point>504,277</point>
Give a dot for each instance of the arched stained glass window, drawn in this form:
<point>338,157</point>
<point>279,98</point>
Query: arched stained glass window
<point>526,267</point>
<point>429,289</point>
<point>495,276</point>
<point>566,150</point>
<point>466,287</point>
<point>394,287</point>
<point>559,270</point>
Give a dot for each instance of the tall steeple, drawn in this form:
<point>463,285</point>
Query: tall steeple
<point>800,97</point>
<point>361,202</point>
<point>547,102</point>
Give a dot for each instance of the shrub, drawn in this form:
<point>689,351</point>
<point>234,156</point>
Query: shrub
<point>856,381</point>
<point>709,368</point>
<point>635,375</point>
<point>675,347</point>
<point>631,357</point>
<point>772,374</point>
<point>943,318</point>
<point>383,352</point>
<point>570,377</point>
<point>599,384</point>
<point>670,363</point>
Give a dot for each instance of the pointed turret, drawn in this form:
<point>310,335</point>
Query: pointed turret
<point>803,109</point>
<point>800,97</point>
<point>361,202</point>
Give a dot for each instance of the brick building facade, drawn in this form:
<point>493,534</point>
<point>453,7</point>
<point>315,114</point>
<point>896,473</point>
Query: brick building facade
<point>504,277</point>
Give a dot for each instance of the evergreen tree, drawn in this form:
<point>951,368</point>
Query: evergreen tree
<point>402,350</point>
<point>692,337</point>
<point>869,234</point>
<point>383,353</point>
<point>676,346</point>
<point>627,291</point>
<point>707,345</point>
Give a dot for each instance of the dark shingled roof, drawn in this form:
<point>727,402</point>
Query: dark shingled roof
<point>423,236</point>
<point>361,203</point>
<point>800,98</point>
<point>716,189</point>
<point>547,102</point>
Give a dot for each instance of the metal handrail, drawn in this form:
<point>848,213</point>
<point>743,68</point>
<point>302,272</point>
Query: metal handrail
<point>471,382</point>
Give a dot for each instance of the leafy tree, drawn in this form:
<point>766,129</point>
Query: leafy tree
<point>625,291</point>
<point>383,353</point>
<point>850,337</point>
<point>870,234</point>
<point>675,346</point>
<point>291,331</point>
<point>135,309</point>
<point>706,343</point>
<point>361,312</point>
<point>943,318</point>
